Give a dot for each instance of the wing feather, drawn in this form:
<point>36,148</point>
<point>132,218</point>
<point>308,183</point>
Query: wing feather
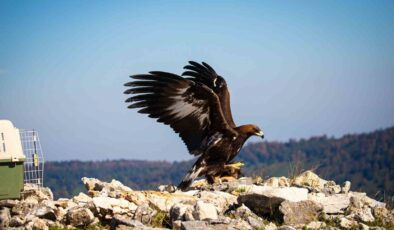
<point>190,108</point>
<point>205,74</point>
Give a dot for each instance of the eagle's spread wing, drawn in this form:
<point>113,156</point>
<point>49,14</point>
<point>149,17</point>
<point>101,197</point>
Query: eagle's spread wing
<point>191,109</point>
<point>205,74</point>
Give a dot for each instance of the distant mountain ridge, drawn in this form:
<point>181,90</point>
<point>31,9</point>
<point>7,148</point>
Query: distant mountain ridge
<point>365,159</point>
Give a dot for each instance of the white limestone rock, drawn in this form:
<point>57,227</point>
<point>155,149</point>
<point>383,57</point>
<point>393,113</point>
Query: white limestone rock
<point>286,193</point>
<point>164,201</point>
<point>364,215</point>
<point>315,225</point>
<point>221,200</point>
<point>205,211</point>
<point>310,180</point>
<point>263,199</point>
<point>332,204</point>
<point>346,187</point>
<point>177,212</point>
<point>82,198</point>
<point>301,212</point>
<point>5,217</point>
<point>346,223</point>
<point>277,182</point>
<point>79,216</point>
<point>194,225</point>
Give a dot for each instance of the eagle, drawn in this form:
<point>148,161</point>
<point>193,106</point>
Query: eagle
<point>196,105</point>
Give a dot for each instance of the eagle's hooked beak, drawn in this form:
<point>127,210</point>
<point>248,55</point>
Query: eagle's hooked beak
<point>260,134</point>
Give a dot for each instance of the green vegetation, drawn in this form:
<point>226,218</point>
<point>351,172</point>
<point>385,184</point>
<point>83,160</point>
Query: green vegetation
<point>97,226</point>
<point>160,219</point>
<point>364,159</point>
<point>240,190</point>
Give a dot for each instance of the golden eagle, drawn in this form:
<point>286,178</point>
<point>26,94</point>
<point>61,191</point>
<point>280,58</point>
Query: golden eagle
<point>195,105</point>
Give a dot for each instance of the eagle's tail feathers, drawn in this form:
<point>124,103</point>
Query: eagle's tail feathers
<point>190,177</point>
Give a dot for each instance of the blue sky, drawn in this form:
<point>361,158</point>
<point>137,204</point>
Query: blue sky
<point>295,68</point>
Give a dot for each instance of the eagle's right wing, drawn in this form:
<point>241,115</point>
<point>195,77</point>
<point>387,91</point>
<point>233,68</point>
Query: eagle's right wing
<point>191,109</point>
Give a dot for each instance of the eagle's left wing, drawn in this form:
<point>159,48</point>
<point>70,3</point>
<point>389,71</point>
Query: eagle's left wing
<point>205,74</point>
<point>190,108</point>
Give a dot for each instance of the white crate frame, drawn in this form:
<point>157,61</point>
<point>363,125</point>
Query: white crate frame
<point>33,174</point>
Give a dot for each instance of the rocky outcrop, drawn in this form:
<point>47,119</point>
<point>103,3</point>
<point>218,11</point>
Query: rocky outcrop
<point>303,202</point>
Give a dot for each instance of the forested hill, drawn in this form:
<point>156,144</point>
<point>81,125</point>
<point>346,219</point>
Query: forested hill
<point>364,159</point>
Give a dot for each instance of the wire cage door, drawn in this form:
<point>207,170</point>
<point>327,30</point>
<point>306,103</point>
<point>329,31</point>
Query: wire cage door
<point>34,163</point>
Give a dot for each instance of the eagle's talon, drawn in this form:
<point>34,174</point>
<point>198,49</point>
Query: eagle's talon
<point>234,166</point>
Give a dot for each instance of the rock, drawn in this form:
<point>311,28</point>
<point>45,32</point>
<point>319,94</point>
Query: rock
<point>221,200</point>
<point>301,212</point>
<point>277,182</point>
<point>16,221</point>
<point>238,224</point>
<point>331,188</point>
<point>194,225</point>
<point>205,211</point>
<point>291,193</point>
<point>364,215</point>
<point>386,216</point>
<point>144,214</point>
<point>45,212</point>
<point>32,193</point>
<point>5,217</point>
<point>243,212</point>
<point>60,213</point>
<point>164,201</point>
<point>125,220</point>
<point>365,200</point>
<point>362,226</point>
<point>136,197</point>
<point>332,204</point>
<point>310,180</point>
<point>23,209</point>
<point>346,223</point>
<point>246,180</point>
<point>346,187</point>
<point>246,214</point>
<point>108,205</point>
<point>117,185</point>
<point>315,225</point>
<point>355,203</point>
<point>78,216</point>
<point>114,189</point>
<point>189,214</point>
<point>254,222</point>
<point>92,184</point>
<point>37,224</point>
<point>286,227</point>
<point>177,224</point>
<point>220,220</point>
<point>8,203</point>
<point>264,200</point>
<point>177,211</point>
<point>82,198</point>
<point>208,208</point>
<point>270,226</point>
<point>167,188</point>
<point>272,182</point>
<point>65,203</point>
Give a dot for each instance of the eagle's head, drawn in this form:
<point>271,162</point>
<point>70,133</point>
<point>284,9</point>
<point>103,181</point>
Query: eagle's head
<point>252,130</point>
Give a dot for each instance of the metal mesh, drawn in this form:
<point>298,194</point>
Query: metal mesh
<point>34,163</point>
